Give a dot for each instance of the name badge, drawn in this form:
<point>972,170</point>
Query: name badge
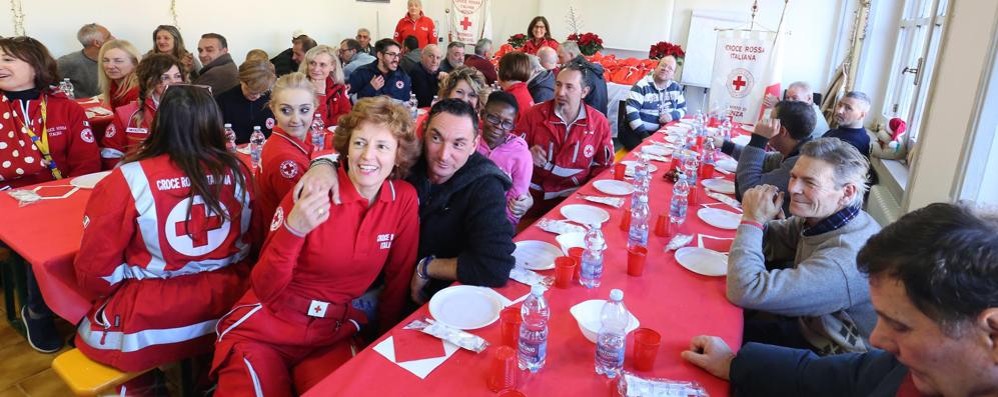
<point>133,130</point>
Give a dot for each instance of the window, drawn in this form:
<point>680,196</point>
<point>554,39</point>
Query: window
<point>980,171</point>
<point>914,59</point>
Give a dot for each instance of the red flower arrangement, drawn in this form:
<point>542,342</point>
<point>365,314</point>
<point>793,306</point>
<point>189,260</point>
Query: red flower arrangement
<point>517,40</point>
<point>664,48</point>
<point>589,43</point>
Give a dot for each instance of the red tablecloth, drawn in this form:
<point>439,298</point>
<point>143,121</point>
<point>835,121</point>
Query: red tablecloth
<point>675,302</point>
<point>47,235</point>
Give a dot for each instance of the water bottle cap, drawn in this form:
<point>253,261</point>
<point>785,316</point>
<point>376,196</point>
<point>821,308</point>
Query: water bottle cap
<point>65,79</point>
<point>642,198</point>
<point>256,128</point>
<point>228,125</point>
<point>616,295</point>
<point>537,290</point>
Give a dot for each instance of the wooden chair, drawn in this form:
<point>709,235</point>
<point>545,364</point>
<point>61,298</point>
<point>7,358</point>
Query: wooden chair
<point>86,377</point>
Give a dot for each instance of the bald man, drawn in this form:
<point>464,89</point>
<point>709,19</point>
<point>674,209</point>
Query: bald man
<point>426,74</point>
<point>548,57</point>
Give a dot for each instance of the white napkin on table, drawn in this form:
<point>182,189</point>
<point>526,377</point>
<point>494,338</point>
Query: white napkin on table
<point>420,368</point>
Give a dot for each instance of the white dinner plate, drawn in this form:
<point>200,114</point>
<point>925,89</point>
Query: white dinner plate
<point>584,214</point>
<point>719,218</point>
<point>741,139</point>
<point>678,128</point>
<point>656,150</point>
<point>535,254</point>
<point>88,181</point>
<point>632,163</point>
<point>719,185</point>
<point>614,187</point>
<point>571,240</point>
<point>675,139</point>
<point>465,307</point>
<point>727,164</point>
<point>702,261</point>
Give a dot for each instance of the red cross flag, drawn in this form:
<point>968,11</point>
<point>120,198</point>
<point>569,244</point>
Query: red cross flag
<point>747,66</point>
<point>470,20</point>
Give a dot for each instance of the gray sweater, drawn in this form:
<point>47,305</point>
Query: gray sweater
<point>814,278</point>
<point>81,71</point>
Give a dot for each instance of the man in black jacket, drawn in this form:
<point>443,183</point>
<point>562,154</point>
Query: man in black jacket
<point>287,61</point>
<point>462,204</point>
<point>568,52</point>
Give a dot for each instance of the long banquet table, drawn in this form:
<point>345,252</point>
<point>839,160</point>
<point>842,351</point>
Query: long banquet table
<point>676,302</point>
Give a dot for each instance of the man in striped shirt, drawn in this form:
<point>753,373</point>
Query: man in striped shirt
<point>654,100</point>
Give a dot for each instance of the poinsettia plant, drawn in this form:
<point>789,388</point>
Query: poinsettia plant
<point>589,43</point>
<point>517,40</point>
<point>664,48</point>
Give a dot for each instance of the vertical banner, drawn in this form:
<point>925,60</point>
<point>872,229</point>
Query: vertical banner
<point>747,66</point>
<point>470,21</point>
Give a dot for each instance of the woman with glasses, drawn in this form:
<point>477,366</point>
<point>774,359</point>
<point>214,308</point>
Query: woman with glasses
<point>324,70</point>
<point>131,122</point>
<point>30,153</point>
<point>514,71</point>
<point>292,327</point>
<point>118,84</point>
<point>508,151</point>
<point>165,246</point>
<point>167,40</point>
<point>539,35</point>
<point>246,105</point>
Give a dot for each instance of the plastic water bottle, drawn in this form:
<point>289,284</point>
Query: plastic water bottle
<point>611,340</point>
<point>413,105</point>
<point>638,234</point>
<point>257,139</point>
<point>533,345</point>
<point>230,138</point>
<point>690,166</point>
<point>318,133</point>
<point>67,88</point>
<point>709,154</point>
<point>592,258</point>
<point>680,200</point>
<point>435,100</point>
<point>726,127</point>
<point>698,120</point>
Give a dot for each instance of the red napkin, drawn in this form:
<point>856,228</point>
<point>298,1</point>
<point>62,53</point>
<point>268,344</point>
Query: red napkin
<point>719,245</point>
<point>54,191</point>
<point>415,345</point>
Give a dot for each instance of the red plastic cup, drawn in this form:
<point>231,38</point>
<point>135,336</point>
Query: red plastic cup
<point>576,253</point>
<point>504,369</point>
<point>509,323</point>
<point>564,269</point>
<point>676,164</point>
<point>625,220</point>
<point>692,199</point>
<point>619,170</point>
<point>706,171</point>
<point>662,225</point>
<point>636,258</point>
<point>646,342</point>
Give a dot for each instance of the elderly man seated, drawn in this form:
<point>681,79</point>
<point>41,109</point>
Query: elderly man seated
<point>569,53</point>
<point>933,276</point>
<point>462,204</point>
<point>426,75</point>
<point>803,269</point>
<point>569,141</point>
<point>800,91</point>
<point>653,101</point>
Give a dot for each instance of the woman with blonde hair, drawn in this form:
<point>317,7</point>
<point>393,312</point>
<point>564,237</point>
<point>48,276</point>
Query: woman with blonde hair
<point>323,68</point>
<point>464,83</point>
<point>246,105</point>
<point>167,40</point>
<point>118,83</point>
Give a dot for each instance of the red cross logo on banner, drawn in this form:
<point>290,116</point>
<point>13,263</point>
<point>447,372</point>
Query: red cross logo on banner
<point>199,225</point>
<point>465,23</point>
<point>738,83</point>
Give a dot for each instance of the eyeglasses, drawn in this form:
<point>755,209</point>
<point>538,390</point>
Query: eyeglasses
<point>496,121</point>
<point>391,54</point>
<point>207,87</point>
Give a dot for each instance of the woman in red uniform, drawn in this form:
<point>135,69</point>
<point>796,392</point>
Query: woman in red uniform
<point>43,136</point>
<point>514,71</point>
<point>117,80</point>
<point>165,241</point>
<point>324,70</point>
<point>130,125</point>
<point>539,32</point>
<point>282,336</point>
<point>415,24</point>
<point>286,154</point>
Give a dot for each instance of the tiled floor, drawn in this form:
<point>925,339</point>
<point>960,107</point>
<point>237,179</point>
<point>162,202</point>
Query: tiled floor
<point>24,371</point>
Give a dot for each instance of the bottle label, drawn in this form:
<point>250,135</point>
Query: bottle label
<point>536,351</point>
<point>610,355</point>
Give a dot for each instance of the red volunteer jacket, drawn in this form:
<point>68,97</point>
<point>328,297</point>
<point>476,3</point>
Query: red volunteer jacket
<point>129,96</point>
<point>71,142</point>
<point>340,259</point>
<point>124,135</point>
<point>334,103</point>
<point>575,152</point>
<point>161,267</point>
<point>531,46</point>
<point>283,161</point>
<point>523,99</point>
<point>422,28</point>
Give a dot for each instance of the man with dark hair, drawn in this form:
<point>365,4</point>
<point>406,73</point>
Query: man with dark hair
<point>288,60</point>
<point>481,60</point>
<point>412,54</point>
<point>352,58</point>
<point>219,71</point>
<point>933,277</point>
<point>426,75</point>
<point>786,132</point>
<point>382,77</point>
<point>461,204</point>
<point>455,56</point>
<point>569,141</point>
<point>80,67</point>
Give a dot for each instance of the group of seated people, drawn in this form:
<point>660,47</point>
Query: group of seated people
<point>271,272</point>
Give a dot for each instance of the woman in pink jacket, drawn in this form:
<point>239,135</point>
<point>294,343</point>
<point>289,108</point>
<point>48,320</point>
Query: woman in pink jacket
<point>507,150</point>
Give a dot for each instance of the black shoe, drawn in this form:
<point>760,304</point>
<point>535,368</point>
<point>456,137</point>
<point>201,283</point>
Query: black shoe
<point>42,335</point>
